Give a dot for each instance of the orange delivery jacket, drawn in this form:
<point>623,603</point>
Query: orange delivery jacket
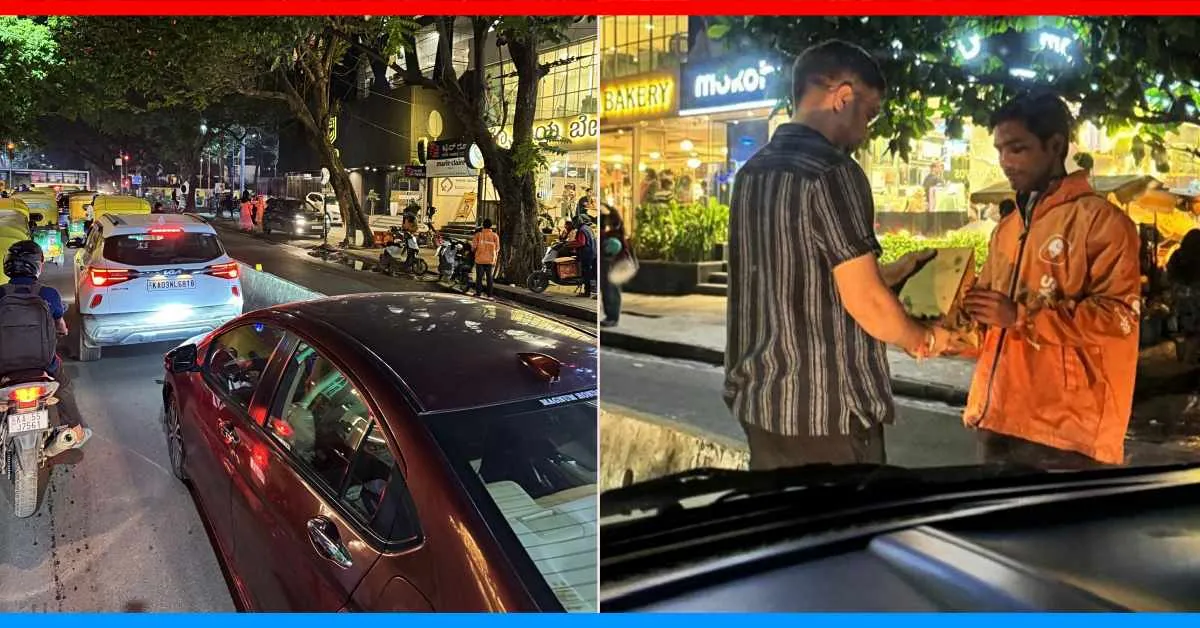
<point>1063,375</point>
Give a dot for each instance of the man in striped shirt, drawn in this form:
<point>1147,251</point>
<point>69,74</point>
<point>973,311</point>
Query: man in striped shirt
<point>810,308</point>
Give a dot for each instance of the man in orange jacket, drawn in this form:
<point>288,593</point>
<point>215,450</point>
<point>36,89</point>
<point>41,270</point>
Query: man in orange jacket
<point>1058,301</point>
<point>486,245</point>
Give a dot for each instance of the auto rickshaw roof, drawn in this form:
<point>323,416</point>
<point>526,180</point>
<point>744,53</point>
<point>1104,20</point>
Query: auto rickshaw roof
<point>1126,187</point>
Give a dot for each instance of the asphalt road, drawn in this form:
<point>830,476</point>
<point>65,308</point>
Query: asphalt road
<point>115,530</point>
<point>925,434</point>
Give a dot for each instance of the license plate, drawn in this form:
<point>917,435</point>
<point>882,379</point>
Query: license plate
<point>171,284</point>
<point>28,421</point>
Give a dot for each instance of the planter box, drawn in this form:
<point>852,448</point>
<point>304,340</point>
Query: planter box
<point>671,278</point>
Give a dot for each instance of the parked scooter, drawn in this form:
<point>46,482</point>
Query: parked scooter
<point>25,434</point>
<point>455,262</point>
<point>402,254</point>
<point>559,266</point>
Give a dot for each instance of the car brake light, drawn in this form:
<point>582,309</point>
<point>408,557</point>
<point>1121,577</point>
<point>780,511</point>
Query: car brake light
<point>108,276</point>
<point>229,270</point>
<point>166,230</point>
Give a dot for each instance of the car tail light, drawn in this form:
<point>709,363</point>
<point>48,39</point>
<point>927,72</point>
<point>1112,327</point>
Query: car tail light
<point>236,292</point>
<point>96,299</point>
<point>225,271</point>
<point>101,277</point>
<point>166,231</point>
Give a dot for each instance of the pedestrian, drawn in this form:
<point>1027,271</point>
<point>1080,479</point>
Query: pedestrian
<point>486,245</point>
<point>158,208</point>
<point>586,254</point>
<point>260,207</point>
<point>811,310</point>
<point>1053,387</point>
<point>247,221</point>
<point>615,248</point>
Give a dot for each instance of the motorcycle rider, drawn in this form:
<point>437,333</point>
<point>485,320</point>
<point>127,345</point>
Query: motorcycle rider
<point>23,264</point>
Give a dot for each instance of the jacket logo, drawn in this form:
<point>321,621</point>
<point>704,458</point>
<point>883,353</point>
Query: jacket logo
<point>1054,250</point>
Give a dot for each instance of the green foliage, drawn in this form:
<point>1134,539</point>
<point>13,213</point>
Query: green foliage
<point>680,232</point>
<point>901,242</point>
<point>1122,71</point>
<point>28,54</point>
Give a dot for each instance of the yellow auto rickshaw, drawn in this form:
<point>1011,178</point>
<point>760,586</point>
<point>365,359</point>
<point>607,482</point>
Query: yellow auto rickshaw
<point>13,224</point>
<point>43,222</point>
<point>78,205</point>
<point>5,242</point>
<point>118,204</point>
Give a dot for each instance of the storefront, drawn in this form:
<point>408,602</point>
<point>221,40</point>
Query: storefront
<point>453,180</point>
<point>568,176</point>
<point>683,137</point>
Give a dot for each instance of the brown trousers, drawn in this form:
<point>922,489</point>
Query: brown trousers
<point>1002,449</point>
<point>773,451</point>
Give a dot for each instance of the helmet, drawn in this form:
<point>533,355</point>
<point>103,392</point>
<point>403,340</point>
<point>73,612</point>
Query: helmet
<point>24,259</point>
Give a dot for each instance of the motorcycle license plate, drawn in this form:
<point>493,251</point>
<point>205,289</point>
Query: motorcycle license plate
<point>28,421</point>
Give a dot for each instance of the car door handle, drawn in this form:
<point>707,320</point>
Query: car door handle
<point>227,434</point>
<point>324,537</point>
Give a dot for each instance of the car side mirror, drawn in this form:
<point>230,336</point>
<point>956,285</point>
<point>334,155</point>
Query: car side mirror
<point>182,359</point>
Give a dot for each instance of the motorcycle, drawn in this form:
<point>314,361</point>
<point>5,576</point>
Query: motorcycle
<point>455,261</point>
<point>402,254</point>
<point>25,434</point>
<point>559,266</point>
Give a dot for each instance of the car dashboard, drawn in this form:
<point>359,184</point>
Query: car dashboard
<point>1101,551</point>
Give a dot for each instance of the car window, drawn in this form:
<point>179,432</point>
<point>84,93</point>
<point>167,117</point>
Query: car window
<point>180,247</point>
<point>321,419</point>
<point>237,359</point>
<point>538,468</point>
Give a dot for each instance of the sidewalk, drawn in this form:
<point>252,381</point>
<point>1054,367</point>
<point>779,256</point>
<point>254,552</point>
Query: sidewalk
<point>560,300</point>
<point>692,327</point>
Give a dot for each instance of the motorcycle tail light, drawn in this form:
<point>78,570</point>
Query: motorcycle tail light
<point>26,394</point>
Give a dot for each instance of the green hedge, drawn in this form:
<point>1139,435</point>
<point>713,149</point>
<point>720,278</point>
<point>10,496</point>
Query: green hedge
<point>679,232</point>
<point>897,244</point>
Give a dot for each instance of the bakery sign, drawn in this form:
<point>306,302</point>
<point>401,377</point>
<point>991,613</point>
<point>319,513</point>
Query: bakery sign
<point>641,96</point>
<point>568,133</point>
<point>722,85</point>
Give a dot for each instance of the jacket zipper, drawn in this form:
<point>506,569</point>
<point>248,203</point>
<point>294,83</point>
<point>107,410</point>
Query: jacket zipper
<point>1026,221</point>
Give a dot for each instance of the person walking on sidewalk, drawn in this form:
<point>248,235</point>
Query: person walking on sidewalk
<point>247,222</point>
<point>1059,298</point>
<point>810,309</point>
<point>486,245</point>
<point>612,234</point>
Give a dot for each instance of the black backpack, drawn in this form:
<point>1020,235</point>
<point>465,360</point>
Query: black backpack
<point>27,335</point>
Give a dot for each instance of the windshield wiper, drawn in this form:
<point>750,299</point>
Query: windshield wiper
<point>668,493</point>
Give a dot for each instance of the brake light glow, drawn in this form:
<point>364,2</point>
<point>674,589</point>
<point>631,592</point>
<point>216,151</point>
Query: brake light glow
<point>165,230</point>
<point>228,270</point>
<point>101,277</point>
<point>27,394</point>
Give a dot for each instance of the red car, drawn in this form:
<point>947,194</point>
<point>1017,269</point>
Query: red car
<point>391,452</point>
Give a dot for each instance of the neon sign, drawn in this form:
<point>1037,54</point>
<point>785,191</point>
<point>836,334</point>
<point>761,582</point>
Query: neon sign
<point>641,97</point>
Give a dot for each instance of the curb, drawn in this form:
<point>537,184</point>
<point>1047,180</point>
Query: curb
<point>583,314</point>
<point>663,348</point>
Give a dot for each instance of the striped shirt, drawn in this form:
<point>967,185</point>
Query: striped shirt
<point>796,363</point>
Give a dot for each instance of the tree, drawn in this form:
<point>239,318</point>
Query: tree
<point>512,169</point>
<point>196,63</point>
<point>1142,72</point>
<point>28,53</point>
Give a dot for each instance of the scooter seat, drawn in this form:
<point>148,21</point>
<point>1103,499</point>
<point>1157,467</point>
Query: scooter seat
<point>27,376</point>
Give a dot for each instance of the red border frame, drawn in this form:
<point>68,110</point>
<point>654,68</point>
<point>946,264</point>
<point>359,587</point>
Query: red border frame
<point>601,7</point>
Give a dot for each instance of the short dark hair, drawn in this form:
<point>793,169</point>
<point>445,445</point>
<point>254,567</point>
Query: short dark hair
<point>487,223</point>
<point>832,59</point>
<point>1044,113</point>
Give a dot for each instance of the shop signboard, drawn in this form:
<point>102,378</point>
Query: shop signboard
<point>414,172</point>
<point>452,167</point>
<point>570,133</point>
<point>715,86</point>
<point>453,158</point>
<point>641,97</point>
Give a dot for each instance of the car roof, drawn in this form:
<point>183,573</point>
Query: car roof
<point>118,224</point>
<point>455,352</point>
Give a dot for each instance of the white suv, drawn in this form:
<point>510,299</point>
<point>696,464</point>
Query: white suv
<point>143,278</point>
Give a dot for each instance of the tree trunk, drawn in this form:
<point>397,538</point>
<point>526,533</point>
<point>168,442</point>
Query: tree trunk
<point>522,247</point>
<point>352,212</point>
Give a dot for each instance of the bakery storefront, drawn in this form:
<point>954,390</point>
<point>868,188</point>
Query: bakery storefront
<point>683,136</point>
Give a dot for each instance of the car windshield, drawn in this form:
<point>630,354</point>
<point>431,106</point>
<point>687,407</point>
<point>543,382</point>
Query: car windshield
<point>149,249</point>
<point>536,471</point>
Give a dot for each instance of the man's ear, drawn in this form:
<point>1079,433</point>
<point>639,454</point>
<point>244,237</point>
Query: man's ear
<point>1057,145</point>
<point>842,97</point>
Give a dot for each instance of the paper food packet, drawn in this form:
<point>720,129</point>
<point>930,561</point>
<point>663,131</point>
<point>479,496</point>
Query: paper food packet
<point>935,294</point>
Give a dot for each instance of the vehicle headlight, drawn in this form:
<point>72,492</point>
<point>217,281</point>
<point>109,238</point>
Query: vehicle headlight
<point>300,220</point>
